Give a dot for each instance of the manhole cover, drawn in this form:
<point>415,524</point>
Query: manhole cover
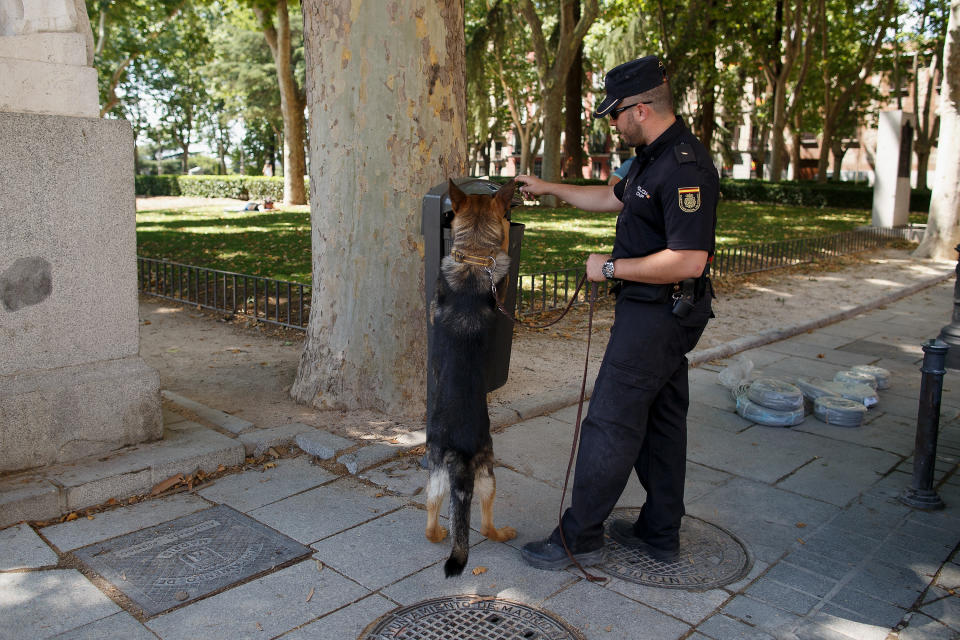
<point>185,559</point>
<point>710,557</point>
<point>474,617</point>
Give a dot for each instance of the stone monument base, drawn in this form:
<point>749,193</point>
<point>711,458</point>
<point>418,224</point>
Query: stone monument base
<point>72,383</point>
<point>55,416</point>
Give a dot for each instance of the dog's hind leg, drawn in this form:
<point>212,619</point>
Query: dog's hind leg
<point>486,488</point>
<point>437,486</point>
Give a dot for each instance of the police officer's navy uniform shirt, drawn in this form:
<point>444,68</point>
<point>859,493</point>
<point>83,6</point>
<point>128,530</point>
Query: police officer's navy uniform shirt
<point>669,197</point>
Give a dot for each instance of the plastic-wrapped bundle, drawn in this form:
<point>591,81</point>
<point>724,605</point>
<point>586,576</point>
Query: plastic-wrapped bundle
<point>736,374</point>
<point>775,394</point>
<point>814,388</point>
<point>839,411</point>
<point>763,415</point>
<point>862,393</point>
<point>857,377</point>
<point>882,375</point>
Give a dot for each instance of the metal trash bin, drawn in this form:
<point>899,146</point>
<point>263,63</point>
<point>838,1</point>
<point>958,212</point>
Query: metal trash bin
<point>435,226</point>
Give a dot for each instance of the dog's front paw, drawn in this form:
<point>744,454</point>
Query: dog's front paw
<point>501,535</point>
<point>437,534</point>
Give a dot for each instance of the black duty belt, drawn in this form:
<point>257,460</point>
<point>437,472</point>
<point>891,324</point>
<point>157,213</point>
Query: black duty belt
<point>643,292</point>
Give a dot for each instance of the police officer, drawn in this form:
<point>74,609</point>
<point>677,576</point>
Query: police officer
<point>664,241</point>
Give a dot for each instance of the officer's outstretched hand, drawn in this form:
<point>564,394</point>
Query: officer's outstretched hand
<point>532,185</point>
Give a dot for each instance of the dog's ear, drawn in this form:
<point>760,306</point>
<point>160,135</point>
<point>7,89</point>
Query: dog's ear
<point>457,196</point>
<point>505,195</point>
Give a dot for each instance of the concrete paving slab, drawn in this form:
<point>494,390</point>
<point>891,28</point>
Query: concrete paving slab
<point>822,565</point>
<point>22,548</point>
<point>840,359</point>
<point>858,607</point>
<point>119,625</point>
<point>782,596</point>
<point>883,431</point>
<point>689,606</point>
<point>404,476</point>
<point>369,456</point>
<point>702,415</point>
<point>600,613</point>
<point>253,489</point>
<point>325,511</point>
<point>263,608</point>
<point>357,553</point>
<point>923,627</point>
<point>538,448</point>
<point>945,610</point>
<point>347,623</point>
<point>28,498</point>
<point>119,475</point>
<point>721,627</point>
<point>258,441</point>
<point>899,586</point>
<point>187,447</point>
<point>783,451</point>
<point>41,604</point>
<point>760,615</point>
<point>809,630</point>
<point>792,367</point>
<point>224,420</point>
<point>840,621</point>
<point>67,536</point>
<point>763,517</point>
<point>322,444</point>
<point>505,576</point>
<point>841,473</point>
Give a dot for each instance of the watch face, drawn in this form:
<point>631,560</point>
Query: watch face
<point>607,269</point>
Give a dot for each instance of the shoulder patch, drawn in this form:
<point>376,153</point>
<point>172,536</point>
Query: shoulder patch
<point>684,153</point>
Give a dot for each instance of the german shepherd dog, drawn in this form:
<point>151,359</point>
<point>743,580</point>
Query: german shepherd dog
<point>459,446</point>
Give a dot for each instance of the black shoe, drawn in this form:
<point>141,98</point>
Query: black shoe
<point>622,531</point>
<point>546,554</point>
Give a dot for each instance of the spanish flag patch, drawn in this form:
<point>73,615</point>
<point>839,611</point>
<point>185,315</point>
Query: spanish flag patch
<point>689,199</point>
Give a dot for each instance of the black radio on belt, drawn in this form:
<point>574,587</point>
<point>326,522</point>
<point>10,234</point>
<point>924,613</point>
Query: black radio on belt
<point>683,297</point>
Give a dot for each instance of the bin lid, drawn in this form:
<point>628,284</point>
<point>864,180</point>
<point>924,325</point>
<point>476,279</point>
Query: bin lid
<point>479,186</point>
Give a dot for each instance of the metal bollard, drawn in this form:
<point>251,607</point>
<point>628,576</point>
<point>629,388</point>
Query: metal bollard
<point>921,494</point>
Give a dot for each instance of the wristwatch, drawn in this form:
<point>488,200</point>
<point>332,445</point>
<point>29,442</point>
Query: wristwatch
<point>607,269</point>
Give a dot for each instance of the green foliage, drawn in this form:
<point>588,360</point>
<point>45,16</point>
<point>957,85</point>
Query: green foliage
<point>239,187</point>
<point>811,194</point>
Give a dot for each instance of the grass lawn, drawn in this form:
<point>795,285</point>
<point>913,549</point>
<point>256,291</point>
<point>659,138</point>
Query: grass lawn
<point>277,244</point>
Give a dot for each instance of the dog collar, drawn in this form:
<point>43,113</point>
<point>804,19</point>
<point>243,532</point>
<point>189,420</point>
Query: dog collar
<point>477,261</point>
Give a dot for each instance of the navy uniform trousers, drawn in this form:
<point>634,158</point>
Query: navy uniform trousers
<point>637,421</point>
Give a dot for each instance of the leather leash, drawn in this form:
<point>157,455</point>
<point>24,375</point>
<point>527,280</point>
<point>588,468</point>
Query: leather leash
<point>594,290</point>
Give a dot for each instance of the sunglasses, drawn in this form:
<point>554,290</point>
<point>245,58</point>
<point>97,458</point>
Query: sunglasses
<point>616,112</point>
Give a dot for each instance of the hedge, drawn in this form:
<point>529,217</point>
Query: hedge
<point>845,195</point>
<point>233,186</point>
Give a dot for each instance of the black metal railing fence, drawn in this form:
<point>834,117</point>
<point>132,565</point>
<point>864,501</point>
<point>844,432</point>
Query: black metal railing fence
<point>278,302</point>
<point>287,304</point>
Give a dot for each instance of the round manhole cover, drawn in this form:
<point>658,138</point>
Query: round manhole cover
<point>710,557</point>
<point>474,617</point>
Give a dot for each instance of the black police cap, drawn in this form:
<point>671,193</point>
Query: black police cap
<point>630,79</point>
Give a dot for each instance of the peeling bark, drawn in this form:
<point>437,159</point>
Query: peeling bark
<point>386,92</point>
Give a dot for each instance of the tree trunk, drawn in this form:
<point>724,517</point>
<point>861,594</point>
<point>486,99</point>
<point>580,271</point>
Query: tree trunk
<point>291,103</point>
<point>573,111</point>
<point>941,235</point>
<point>552,70</point>
<point>386,92</point>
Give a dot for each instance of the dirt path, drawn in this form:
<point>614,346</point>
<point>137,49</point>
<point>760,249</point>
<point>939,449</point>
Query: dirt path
<point>247,371</point>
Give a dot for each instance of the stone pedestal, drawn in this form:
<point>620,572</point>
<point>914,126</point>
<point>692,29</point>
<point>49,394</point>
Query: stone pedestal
<point>72,382</point>
<point>891,187</point>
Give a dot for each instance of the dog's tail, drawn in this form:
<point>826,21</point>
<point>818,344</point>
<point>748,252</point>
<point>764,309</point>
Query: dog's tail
<point>461,494</point>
